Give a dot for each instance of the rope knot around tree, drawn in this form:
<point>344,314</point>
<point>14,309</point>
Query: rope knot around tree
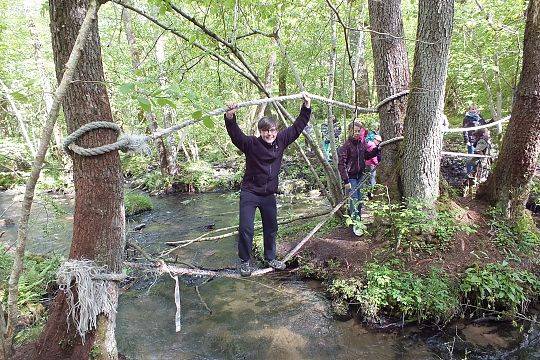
<point>125,143</point>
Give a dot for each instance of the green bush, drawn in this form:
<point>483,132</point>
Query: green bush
<point>414,228</point>
<point>521,235</point>
<point>399,293</point>
<point>9,180</point>
<point>38,272</point>
<point>137,203</point>
<point>500,287</point>
<point>202,176</point>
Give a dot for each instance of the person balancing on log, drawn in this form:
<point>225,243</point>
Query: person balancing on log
<point>260,181</point>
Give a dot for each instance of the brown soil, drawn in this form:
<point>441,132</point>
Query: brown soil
<point>342,247</point>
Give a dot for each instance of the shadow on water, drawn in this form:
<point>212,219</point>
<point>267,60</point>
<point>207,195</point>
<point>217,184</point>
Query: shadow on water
<point>277,317</point>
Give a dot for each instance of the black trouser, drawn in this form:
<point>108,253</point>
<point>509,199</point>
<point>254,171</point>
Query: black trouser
<point>267,206</point>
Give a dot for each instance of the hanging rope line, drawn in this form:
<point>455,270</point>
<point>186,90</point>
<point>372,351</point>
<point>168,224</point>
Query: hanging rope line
<point>494,123</point>
<point>457,130</point>
<point>450,153</point>
<point>137,143</point>
<point>134,143</point>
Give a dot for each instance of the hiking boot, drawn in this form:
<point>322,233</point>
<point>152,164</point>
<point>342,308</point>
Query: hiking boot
<point>276,264</point>
<point>244,269</point>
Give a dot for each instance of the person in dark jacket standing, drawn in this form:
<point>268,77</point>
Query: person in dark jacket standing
<point>260,181</point>
<point>352,156</point>
<point>472,118</point>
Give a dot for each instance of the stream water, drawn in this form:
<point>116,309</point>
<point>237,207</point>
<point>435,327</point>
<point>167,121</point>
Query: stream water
<point>273,317</point>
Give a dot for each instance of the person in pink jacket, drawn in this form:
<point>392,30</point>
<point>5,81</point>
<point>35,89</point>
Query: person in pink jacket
<point>371,164</point>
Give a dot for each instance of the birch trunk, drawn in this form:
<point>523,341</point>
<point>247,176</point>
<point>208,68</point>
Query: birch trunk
<point>168,112</point>
<point>360,83</point>
<point>44,79</point>
<point>268,83</point>
<point>331,84</point>
<point>166,167</point>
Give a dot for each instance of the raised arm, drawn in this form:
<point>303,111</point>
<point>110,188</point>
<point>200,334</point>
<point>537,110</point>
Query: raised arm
<point>238,138</point>
<point>293,132</point>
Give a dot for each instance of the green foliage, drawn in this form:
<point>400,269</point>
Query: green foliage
<point>14,160</point>
<point>137,203</point>
<point>398,292</point>
<point>415,228</point>
<point>144,173</point>
<point>9,180</point>
<point>350,288</point>
<point>535,190</point>
<point>38,272</point>
<point>258,245</point>
<point>199,174</point>
<point>30,333</point>
<point>521,235</point>
<point>307,268</point>
<point>500,287</point>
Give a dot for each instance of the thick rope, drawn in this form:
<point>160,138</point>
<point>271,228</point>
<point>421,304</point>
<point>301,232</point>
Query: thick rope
<point>125,143</point>
<point>95,293</point>
<point>134,143</point>
<point>495,123</point>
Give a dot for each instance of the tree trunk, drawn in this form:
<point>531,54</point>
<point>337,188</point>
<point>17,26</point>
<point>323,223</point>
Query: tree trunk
<point>508,185</point>
<point>423,137</point>
<point>360,83</point>
<point>169,113</point>
<point>391,77</point>
<point>44,79</point>
<point>164,158</point>
<point>331,85</point>
<point>99,219</point>
<point>132,42</point>
<point>268,81</point>
<point>20,119</point>
<point>282,77</point>
<point>8,329</point>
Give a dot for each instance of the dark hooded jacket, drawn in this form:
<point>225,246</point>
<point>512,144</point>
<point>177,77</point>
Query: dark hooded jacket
<point>352,156</point>
<point>263,160</point>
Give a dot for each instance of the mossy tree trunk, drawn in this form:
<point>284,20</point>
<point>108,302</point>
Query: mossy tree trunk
<point>508,185</point>
<point>391,76</point>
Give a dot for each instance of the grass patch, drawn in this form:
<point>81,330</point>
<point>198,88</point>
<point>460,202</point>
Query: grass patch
<point>137,203</point>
